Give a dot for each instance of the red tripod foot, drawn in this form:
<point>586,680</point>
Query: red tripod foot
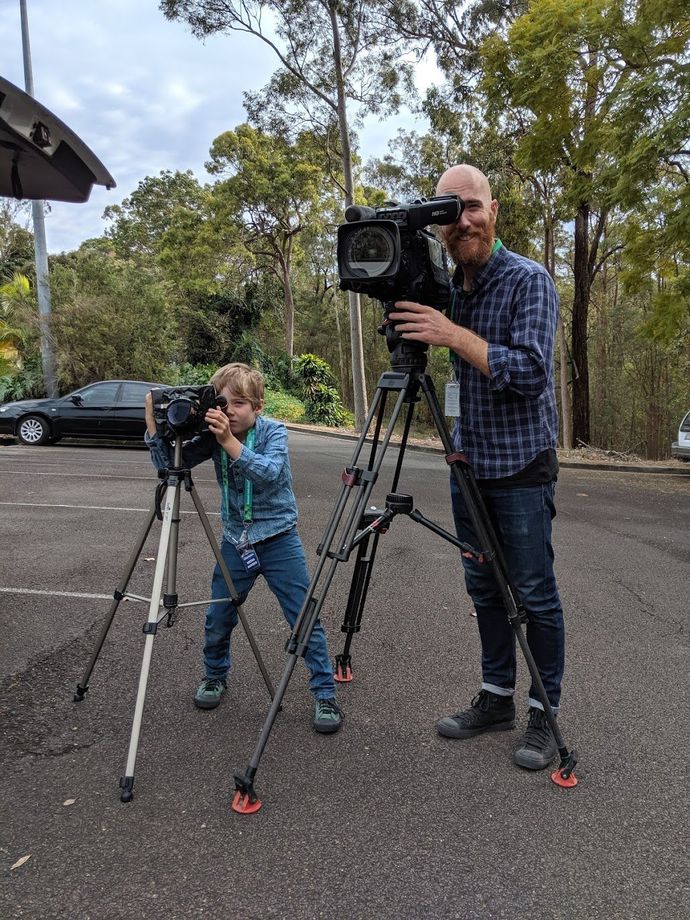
<point>246,801</point>
<point>343,669</point>
<point>343,675</point>
<point>243,804</point>
<point>564,776</point>
<point>565,782</point>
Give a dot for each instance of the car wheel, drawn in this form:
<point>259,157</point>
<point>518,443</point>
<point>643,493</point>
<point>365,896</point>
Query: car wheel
<point>33,430</point>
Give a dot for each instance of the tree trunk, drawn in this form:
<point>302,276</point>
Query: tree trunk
<point>289,305</point>
<point>358,380</point>
<point>579,330</point>
<point>550,263</point>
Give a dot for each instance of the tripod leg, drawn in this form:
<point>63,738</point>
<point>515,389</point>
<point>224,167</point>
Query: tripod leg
<point>118,595</point>
<point>486,535</point>
<point>170,519</point>
<point>246,800</point>
<point>231,588</point>
<point>352,619</point>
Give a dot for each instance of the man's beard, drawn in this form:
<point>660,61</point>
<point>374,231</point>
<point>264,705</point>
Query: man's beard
<point>475,250</point>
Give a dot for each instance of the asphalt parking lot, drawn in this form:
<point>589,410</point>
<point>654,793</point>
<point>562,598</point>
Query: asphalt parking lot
<point>384,820</point>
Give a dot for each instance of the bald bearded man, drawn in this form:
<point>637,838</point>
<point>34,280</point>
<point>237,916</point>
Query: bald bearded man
<point>501,332</point>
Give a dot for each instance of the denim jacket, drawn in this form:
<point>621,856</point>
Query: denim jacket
<point>274,509</point>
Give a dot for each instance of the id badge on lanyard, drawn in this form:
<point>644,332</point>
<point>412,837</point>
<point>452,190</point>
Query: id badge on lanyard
<point>244,547</point>
<point>452,406</point>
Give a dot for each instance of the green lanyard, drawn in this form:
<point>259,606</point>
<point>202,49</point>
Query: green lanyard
<point>248,485</point>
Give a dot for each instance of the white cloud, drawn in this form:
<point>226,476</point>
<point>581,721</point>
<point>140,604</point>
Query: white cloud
<point>140,91</point>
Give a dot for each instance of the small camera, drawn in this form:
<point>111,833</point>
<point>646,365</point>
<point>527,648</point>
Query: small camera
<point>181,411</point>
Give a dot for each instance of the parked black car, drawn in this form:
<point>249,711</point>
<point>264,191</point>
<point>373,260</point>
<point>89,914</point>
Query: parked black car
<point>110,409</point>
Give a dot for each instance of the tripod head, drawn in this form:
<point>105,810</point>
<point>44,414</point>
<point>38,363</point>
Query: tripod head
<point>405,355</point>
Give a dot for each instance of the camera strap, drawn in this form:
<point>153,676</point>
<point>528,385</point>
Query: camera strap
<point>247,516</point>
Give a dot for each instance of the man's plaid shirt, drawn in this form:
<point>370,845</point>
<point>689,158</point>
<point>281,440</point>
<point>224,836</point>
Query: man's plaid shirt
<point>509,418</point>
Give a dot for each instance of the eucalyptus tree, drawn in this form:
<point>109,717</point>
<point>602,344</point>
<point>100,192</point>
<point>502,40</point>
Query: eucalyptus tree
<point>270,191</point>
<point>137,225</point>
<point>594,96</point>
<point>601,91</point>
<point>333,56</point>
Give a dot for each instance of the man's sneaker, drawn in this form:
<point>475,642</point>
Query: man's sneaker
<point>209,692</point>
<point>328,716</point>
<point>537,747</point>
<point>489,712</point>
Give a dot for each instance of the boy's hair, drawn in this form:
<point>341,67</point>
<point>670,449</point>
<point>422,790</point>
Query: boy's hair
<point>240,379</point>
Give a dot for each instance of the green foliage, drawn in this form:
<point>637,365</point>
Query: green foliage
<point>25,382</point>
<point>138,224</point>
<point>187,374</point>
<point>16,242</point>
<point>284,406</point>
<point>322,401</point>
<point>110,319</point>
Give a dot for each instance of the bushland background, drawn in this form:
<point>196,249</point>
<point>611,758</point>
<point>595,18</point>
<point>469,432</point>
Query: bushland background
<point>579,113</point>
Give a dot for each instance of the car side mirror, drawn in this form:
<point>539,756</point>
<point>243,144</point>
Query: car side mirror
<point>77,400</point>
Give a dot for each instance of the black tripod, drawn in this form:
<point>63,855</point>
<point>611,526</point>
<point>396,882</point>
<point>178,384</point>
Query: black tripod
<point>363,529</point>
<point>169,486</point>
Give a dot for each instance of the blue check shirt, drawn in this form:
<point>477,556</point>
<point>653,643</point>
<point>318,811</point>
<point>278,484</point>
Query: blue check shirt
<point>509,418</point>
<point>274,508</point>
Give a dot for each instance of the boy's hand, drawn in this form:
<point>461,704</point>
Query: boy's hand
<point>149,417</point>
<point>219,426</point>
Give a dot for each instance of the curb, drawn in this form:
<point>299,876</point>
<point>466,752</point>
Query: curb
<point>564,464</point>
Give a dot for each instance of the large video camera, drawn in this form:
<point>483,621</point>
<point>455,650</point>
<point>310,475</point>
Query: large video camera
<point>181,410</point>
<point>388,254</point>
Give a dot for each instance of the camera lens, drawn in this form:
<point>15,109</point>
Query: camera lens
<point>370,252</point>
<point>181,414</point>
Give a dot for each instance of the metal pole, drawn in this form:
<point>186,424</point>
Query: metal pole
<point>40,248</point>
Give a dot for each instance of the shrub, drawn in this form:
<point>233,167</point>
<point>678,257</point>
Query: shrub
<point>323,405</point>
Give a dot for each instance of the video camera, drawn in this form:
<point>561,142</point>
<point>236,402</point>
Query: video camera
<point>388,254</point>
<point>181,410</point>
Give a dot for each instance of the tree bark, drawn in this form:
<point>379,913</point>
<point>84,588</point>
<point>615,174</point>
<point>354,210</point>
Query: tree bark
<point>358,380</point>
<point>582,282</point>
<point>550,263</point>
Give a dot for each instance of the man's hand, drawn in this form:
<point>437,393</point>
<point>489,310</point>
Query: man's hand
<point>422,324</point>
<point>425,324</point>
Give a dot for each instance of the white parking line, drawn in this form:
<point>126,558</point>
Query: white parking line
<point>93,507</point>
<point>91,597</point>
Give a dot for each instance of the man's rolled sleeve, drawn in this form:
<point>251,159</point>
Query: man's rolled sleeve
<point>522,364</point>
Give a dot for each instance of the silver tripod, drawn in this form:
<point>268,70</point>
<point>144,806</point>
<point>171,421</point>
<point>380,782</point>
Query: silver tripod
<point>171,481</point>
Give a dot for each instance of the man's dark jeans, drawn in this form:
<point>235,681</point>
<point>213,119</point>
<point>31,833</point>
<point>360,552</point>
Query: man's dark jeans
<point>522,520</point>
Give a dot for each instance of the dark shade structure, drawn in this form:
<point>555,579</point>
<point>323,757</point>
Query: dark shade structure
<point>40,157</point>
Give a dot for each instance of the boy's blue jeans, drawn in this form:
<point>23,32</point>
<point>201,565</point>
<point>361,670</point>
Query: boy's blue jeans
<point>522,519</point>
<point>284,567</point>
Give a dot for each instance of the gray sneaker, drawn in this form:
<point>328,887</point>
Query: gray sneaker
<point>209,692</point>
<point>328,716</point>
<point>537,747</point>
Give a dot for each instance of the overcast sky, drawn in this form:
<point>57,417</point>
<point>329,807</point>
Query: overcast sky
<point>141,92</point>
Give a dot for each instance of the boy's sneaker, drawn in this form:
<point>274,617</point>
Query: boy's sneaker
<point>537,747</point>
<point>209,692</point>
<point>328,716</point>
<point>488,712</point>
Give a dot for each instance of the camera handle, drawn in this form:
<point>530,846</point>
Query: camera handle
<point>170,485</point>
<point>363,528</point>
